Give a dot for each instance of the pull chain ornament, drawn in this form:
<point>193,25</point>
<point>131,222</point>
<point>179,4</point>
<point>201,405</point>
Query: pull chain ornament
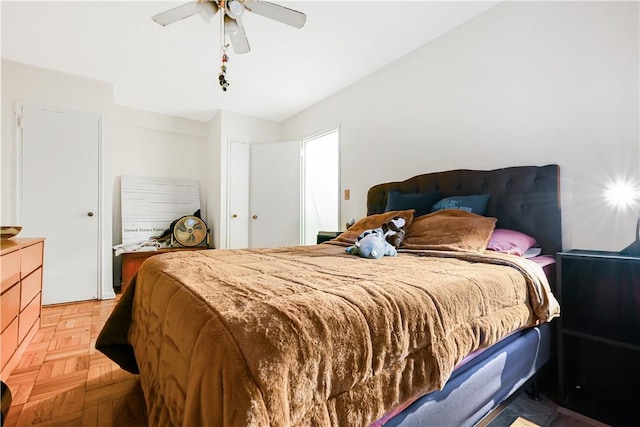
<point>222,77</point>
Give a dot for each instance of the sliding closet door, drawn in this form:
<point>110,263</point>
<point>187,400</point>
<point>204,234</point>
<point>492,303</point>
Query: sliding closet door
<point>59,199</point>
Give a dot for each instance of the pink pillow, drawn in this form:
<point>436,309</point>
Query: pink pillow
<point>510,242</point>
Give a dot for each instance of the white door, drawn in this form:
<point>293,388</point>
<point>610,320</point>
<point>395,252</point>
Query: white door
<point>59,199</point>
<point>275,194</point>
<point>238,213</point>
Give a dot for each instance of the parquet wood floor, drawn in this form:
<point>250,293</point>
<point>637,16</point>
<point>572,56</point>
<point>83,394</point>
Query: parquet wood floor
<point>62,380</point>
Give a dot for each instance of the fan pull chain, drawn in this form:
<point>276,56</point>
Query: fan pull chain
<point>222,77</point>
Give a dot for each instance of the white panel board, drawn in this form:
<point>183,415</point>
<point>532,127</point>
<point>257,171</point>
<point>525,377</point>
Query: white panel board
<point>150,205</point>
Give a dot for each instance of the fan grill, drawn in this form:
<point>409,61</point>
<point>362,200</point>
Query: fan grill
<point>190,231</point>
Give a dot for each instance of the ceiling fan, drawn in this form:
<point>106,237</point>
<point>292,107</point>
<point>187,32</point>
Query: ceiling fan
<point>232,16</point>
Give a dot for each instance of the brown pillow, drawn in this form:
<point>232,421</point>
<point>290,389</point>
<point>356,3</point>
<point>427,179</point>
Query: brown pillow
<point>450,230</point>
<point>373,221</point>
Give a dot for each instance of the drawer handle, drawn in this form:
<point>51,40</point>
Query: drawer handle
<point>90,214</point>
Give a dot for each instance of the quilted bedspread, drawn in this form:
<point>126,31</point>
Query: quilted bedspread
<point>310,335</point>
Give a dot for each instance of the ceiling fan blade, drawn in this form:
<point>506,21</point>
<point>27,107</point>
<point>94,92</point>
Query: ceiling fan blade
<point>176,14</point>
<point>277,13</point>
<point>235,30</point>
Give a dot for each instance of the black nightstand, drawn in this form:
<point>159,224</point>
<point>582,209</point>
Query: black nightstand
<point>324,236</point>
<point>599,335</point>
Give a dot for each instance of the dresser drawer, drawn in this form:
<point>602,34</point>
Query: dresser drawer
<point>8,342</point>
<point>9,269</point>
<point>9,306</point>
<point>31,258</point>
<point>28,317</point>
<point>31,286</point>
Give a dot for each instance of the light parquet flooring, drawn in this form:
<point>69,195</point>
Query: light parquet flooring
<point>62,380</point>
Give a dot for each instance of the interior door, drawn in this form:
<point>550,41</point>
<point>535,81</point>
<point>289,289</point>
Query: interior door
<point>275,194</point>
<point>59,199</point>
<point>239,163</point>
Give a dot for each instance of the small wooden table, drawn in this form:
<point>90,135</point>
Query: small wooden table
<point>131,262</point>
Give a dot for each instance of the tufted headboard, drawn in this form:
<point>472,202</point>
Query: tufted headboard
<point>523,198</point>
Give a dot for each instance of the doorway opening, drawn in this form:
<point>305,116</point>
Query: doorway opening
<point>321,185</point>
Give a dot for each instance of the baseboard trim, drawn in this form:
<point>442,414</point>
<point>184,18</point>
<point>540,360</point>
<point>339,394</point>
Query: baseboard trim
<point>108,295</point>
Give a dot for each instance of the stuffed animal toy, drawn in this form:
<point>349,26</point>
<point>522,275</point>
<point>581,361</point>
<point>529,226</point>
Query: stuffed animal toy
<point>394,231</point>
<point>371,244</point>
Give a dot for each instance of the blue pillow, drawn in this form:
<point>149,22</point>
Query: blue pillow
<point>421,202</point>
<point>476,204</point>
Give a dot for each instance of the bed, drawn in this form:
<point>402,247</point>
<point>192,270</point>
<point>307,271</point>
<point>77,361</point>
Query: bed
<point>310,335</point>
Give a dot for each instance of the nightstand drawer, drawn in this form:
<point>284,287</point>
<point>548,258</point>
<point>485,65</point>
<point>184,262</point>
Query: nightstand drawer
<point>602,381</point>
<point>601,297</point>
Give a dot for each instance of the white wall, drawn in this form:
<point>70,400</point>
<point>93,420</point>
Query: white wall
<point>155,145</point>
<point>524,83</point>
<point>35,86</point>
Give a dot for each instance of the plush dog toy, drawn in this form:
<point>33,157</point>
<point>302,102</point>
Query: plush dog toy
<point>371,244</point>
<point>394,230</point>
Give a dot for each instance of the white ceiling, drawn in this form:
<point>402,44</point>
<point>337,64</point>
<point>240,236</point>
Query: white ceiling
<point>174,69</point>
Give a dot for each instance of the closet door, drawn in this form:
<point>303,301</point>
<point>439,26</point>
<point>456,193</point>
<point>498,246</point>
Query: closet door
<point>239,166</point>
<point>275,194</point>
<point>59,198</point>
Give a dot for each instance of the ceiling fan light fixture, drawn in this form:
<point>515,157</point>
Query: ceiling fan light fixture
<point>206,10</point>
<point>235,8</point>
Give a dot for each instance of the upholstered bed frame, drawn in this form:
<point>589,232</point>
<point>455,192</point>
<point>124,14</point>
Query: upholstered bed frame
<point>523,198</point>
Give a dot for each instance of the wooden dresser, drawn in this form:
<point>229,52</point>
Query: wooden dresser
<point>20,298</point>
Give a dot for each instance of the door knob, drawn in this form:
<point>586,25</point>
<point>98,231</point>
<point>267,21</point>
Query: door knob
<point>255,217</point>
<point>89,213</point>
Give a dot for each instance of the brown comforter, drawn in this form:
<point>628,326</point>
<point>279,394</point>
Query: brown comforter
<point>310,335</point>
